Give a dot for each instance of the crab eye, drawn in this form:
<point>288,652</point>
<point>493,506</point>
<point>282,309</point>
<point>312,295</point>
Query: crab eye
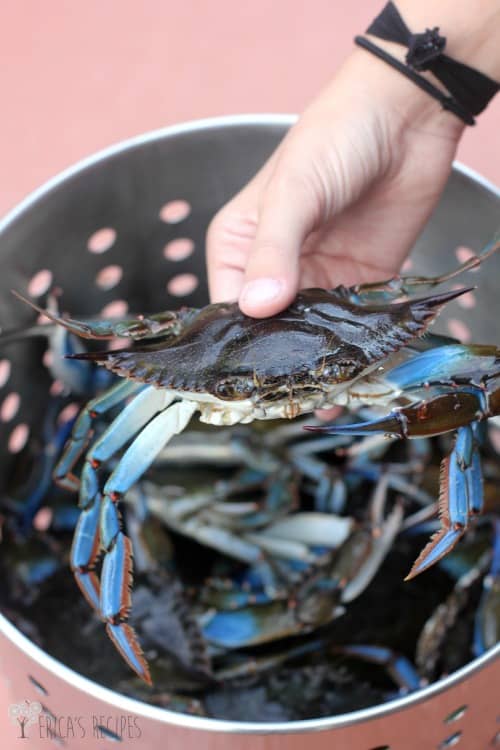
<point>233,389</point>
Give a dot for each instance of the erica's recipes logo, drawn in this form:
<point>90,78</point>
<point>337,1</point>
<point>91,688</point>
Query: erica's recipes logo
<point>51,727</point>
<point>24,714</point>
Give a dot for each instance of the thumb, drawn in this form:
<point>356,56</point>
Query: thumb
<point>288,213</point>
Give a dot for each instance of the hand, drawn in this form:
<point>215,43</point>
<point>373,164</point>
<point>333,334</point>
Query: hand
<point>344,196</point>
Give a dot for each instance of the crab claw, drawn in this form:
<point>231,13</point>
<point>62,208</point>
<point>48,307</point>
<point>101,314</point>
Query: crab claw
<point>440,545</point>
<point>393,424</point>
<point>125,641</point>
<point>432,415</point>
<point>460,497</point>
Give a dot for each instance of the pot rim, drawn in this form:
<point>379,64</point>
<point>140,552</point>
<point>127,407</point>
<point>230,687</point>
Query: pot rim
<point>191,126</point>
<point>141,708</point>
<point>165,716</point>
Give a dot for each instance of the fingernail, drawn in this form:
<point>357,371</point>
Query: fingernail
<point>261,290</point>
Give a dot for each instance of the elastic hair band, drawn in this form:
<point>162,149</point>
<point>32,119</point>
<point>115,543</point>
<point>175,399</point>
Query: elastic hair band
<point>447,102</point>
<point>470,91</point>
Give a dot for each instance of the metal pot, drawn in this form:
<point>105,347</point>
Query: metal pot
<point>106,231</point>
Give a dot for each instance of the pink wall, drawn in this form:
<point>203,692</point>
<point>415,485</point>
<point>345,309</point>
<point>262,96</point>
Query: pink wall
<point>78,76</point>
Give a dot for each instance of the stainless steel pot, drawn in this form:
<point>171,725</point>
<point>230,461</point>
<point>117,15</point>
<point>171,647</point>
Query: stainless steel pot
<point>128,225</point>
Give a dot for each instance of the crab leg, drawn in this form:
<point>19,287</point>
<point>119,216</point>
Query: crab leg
<point>99,525</point>
<point>85,552</point>
<point>86,544</point>
<point>372,550</point>
<point>278,499</point>
<point>83,430</point>
<point>330,492</point>
<point>253,625</point>
<point>461,496</point>
<point>141,327</point>
<point>405,286</point>
<point>313,602</point>
<point>79,377</point>
<point>440,402</point>
<point>315,529</point>
<point>244,666</point>
<point>224,595</point>
<point>116,575</point>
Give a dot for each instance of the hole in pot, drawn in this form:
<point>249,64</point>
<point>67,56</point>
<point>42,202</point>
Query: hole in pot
<point>50,726</point>
<point>48,712</point>
<point>5,369</point>
<point>175,211</point>
<point>69,412</point>
<point>467,300</point>
<point>107,733</point>
<point>451,741</point>
<point>459,330</point>
<point>18,438</point>
<point>43,519</point>
<point>109,277</point>
<point>118,343</point>
<point>38,686</point>
<point>57,388</point>
<point>10,407</point>
<point>463,254</point>
<point>101,240</point>
<point>407,265</point>
<point>116,309</point>
<point>40,283</point>
<point>182,284</point>
<point>48,358</point>
<point>178,249</point>
<point>456,714</point>
<point>381,747</point>
<point>494,435</point>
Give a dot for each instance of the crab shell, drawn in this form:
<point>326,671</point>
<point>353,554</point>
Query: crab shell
<point>290,364</point>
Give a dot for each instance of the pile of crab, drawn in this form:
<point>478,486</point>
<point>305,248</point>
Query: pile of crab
<point>256,543</point>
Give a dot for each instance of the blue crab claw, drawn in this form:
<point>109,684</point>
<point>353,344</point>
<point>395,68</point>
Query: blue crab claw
<point>435,415</point>
<point>440,545</point>
<point>314,604</point>
<point>125,641</point>
<point>251,626</point>
<point>460,497</point>
<point>461,484</point>
<point>448,386</point>
<point>115,602</point>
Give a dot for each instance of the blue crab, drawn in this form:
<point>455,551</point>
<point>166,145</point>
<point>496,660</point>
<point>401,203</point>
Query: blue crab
<point>350,346</point>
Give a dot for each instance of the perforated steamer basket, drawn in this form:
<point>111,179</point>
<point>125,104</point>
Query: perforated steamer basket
<point>105,231</point>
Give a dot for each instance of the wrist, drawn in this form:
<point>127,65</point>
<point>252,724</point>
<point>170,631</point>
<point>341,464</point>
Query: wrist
<point>401,103</point>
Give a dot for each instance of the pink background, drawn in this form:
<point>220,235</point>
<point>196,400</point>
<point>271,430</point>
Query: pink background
<point>78,76</point>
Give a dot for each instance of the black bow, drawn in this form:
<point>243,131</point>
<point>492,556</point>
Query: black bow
<point>426,52</point>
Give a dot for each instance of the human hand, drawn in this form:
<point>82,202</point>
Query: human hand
<point>344,196</point>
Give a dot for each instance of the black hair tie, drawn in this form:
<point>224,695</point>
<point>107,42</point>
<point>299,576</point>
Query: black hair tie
<point>470,91</point>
